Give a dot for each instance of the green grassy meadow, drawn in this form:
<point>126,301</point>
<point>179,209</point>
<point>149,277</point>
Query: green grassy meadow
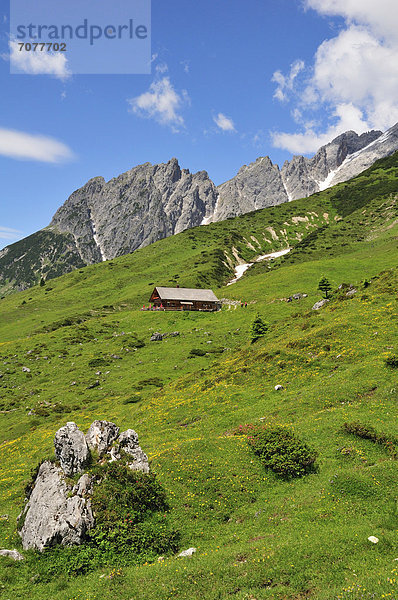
<point>258,537</point>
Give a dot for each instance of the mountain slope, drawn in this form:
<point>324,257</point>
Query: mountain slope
<point>103,220</point>
<point>87,349</point>
<point>262,184</point>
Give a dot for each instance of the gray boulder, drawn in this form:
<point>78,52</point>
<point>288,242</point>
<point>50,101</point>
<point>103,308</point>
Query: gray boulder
<point>128,442</point>
<point>351,292</point>
<point>55,514</point>
<point>14,554</point>
<point>71,449</point>
<point>188,552</point>
<point>101,436</point>
<point>320,303</point>
<point>157,337</point>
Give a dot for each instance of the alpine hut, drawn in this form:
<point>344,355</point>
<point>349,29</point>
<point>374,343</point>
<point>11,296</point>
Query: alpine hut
<point>164,298</point>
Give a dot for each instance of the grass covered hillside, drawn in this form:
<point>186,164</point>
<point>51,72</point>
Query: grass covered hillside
<point>206,410</point>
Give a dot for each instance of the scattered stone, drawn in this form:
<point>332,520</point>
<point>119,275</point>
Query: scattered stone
<point>305,295</point>
<point>14,554</point>
<point>93,385</point>
<point>278,387</point>
<point>174,334</point>
<point>351,292</point>
<point>297,296</point>
<point>373,539</point>
<point>26,369</point>
<point>116,357</point>
<point>71,449</point>
<point>53,514</point>
<point>320,304</point>
<point>157,337</point>
<point>188,552</point>
<point>101,436</point>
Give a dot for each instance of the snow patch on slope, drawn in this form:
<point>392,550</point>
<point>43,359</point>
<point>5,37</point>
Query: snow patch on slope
<point>241,269</point>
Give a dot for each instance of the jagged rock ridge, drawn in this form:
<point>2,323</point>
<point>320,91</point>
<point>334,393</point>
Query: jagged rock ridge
<point>139,207</point>
<point>262,184</point>
<point>103,220</point>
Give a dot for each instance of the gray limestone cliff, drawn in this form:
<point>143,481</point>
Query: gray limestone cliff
<point>262,184</point>
<point>141,206</point>
<point>103,220</point>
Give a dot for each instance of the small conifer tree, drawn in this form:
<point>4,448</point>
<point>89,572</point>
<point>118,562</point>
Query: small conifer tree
<point>42,282</point>
<point>324,286</point>
<point>258,329</point>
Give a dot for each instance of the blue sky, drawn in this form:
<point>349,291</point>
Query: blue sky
<point>231,80</point>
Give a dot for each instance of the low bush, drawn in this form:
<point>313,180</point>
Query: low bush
<point>392,361</point>
<point>283,452</point>
<point>361,430</point>
<point>99,362</point>
<point>196,352</point>
<point>368,432</point>
<point>131,525</point>
<point>130,513</point>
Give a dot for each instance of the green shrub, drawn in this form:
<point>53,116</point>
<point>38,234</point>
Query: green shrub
<point>132,399</point>
<point>258,328</point>
<point>123,493</point>
<point>130,513</point>
<point>392,361</point>
<point>99,362</point>
<point>283,452</point>
<point>156,381</point>
<point>196,352</point>
<point>368,432</point>
<point>361,430</point>
<point>131,525</point>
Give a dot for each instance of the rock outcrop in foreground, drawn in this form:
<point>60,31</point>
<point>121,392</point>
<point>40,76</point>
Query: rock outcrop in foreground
<point>59,510</point>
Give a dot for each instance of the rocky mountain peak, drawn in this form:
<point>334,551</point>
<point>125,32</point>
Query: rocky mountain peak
<point>105,219</point>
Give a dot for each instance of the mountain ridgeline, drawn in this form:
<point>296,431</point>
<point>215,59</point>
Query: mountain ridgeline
<point>103,220</point>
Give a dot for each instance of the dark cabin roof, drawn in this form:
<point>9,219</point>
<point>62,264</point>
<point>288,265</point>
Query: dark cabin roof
<point>187,294</point>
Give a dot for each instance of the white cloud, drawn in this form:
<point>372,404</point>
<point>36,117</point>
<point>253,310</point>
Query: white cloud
<point>38,63</point>
<point>286,83</point>
<point>6,233</point>
<point>347,117</point>
<point>26,146</point>
<point>162,68</point>
<point>380,16</point>
<point>186,65</point>
<point>356,67</point>
<point>162,103</point>
<point>224,122</point>
<point>353,79</point>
